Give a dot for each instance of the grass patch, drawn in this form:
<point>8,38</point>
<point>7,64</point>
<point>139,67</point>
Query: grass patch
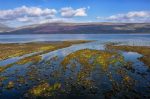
<point>43,90</point>
<point>16,49</point>
<point>144,50</point>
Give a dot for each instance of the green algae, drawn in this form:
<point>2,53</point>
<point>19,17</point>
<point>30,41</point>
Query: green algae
<point>144,50</point>
<point>26,48</point>
<point>10,85</point>
<point>102,58</point>
<point>90,60</point>
<point>43,90</point>
<point>82,65</point>
<point>32,59</point>
<point>19,49</point>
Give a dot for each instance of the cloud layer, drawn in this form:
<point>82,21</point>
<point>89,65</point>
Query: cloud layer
<point>70,12</point>
<point>134,16</point>
<point>32,15</point>
<point>26,14</point>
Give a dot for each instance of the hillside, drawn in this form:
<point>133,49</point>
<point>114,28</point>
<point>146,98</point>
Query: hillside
<point>81,28</point>
<point>4,28</point>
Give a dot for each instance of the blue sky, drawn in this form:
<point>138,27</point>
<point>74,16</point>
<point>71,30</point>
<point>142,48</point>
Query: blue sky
<point>15,12</point>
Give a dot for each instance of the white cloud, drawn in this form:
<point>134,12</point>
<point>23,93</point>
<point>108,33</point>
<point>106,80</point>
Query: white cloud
<point>99,18</point>
<point>88,7</point>
<point>56,20</point>
<point>134,16</point>
<point>69,12</point>
<point>25,13</point>
<point>24,19</point>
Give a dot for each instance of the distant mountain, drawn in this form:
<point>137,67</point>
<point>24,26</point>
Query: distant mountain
<point>80,28</point>
<point>4,28</point>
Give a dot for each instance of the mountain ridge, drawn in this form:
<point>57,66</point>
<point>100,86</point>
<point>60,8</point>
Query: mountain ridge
<point>82,28</point>
<point>4,28</point>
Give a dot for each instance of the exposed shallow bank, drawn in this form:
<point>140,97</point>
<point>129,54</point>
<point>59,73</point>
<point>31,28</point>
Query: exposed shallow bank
<point>144,50</point>
<point>82,71</point>
<point>34,48</point>
<point>19,49</point>
<point>75,71</point>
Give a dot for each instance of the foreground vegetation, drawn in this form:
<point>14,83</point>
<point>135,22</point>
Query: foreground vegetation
<point>14,50</point>
<point>82,66</point>
<point>144,50</point>
<point>86,72</point>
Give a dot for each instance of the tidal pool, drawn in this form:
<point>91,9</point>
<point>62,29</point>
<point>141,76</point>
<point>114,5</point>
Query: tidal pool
<point>85,70</point>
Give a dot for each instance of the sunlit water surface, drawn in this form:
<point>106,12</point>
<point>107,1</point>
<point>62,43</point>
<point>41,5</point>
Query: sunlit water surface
<point>51,62</point>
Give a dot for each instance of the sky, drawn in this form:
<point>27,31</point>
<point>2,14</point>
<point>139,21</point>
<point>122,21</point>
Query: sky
<point>17,13</point>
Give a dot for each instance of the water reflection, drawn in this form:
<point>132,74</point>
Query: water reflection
<point>83,70</point>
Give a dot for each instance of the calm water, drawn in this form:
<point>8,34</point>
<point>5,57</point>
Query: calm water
<point>137,39</point>
<point>50,67</point>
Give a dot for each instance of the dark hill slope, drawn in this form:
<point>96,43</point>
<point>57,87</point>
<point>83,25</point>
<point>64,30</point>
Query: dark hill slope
<point>87,28</point>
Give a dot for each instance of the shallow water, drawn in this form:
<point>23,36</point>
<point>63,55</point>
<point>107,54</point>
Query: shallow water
<point>132,39</point>
<point>49,68</point>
